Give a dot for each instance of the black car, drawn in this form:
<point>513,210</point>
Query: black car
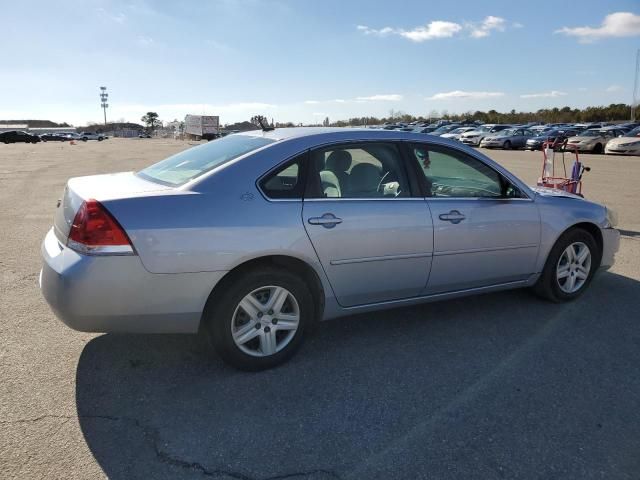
<point>53,137</point>
<point>555,136</point>
<point>16,136</point>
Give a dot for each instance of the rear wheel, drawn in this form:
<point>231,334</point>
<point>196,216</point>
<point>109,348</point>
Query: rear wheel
<point>260,320</point>
<point>570,267</point>
<point>597,148</point>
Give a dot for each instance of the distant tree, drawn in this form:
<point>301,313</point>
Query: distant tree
<point>326,122</point>
<point>257,119</point>
<point>151,120</point>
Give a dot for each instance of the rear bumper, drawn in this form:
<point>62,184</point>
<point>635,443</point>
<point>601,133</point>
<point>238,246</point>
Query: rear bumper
<point>116,293</point>
<point>610,246</point>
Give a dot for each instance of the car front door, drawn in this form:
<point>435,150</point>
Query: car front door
<point>486,231</point>
<point>372,235</point>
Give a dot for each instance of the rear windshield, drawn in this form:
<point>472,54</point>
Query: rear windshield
<point>184,166</point>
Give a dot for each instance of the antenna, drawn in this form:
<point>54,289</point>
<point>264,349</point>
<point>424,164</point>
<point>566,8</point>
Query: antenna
<point>264,125</point>
<point>634,101</point>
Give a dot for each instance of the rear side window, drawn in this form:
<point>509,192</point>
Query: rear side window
<point>370,170</point>
<point>285,182</point>
<point>189,164</point>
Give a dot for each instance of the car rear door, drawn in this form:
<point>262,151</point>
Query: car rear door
<point>373,236</point>
<point>486,232</point>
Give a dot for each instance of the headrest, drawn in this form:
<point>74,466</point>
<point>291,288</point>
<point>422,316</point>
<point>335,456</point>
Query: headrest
<point>338,161</point>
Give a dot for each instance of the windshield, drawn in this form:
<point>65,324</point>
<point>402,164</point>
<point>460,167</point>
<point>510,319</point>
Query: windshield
<point>189,164</point>
<point>546,133</point>
<point>507,133</point>
<point>591,133</point>
<point>459,130</point>
<point>445,129</point>
<point>633,133</point>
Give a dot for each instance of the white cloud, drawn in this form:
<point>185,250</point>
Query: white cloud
<point>145,41</point>
<point>517,25</point>
<point>613,88</point>
<point>463,94</point>
<point>489,24</point>
<point>221,47</point>
<point>442,29</point>
<point>379,32</point>
<point>582,89</point>
<point>339,100</point>
<point>435,29</point>
<point>119,18</point>
<point>385,98</point>
<point>311,102</point>
<point>551,94</point>
<point>619,24</point>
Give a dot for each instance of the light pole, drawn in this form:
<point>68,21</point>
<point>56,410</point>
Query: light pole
<point>635,88</point>
<point>104,97</point>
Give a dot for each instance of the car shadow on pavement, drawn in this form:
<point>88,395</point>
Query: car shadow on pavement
<point>162,406</point>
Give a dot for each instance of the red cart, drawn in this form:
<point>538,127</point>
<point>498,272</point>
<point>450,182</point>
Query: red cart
<point>549,179</point>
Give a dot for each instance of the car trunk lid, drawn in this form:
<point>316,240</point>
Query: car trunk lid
<point>101,188</point>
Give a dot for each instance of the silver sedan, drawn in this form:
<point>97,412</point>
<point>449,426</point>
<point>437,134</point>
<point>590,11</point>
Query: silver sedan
<point>507,139</point>
<point>254,237</point>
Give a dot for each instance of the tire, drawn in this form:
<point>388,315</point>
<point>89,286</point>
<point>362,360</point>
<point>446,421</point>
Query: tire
<point>224,314</point>
<point>507,145</point>
<point>84,139</point>
<point>555,289</point>
<point>100,139</point>
<point>597,148</point>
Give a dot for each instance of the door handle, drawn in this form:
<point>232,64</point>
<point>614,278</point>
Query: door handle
<point>454,216</point>
<point>328,220</point>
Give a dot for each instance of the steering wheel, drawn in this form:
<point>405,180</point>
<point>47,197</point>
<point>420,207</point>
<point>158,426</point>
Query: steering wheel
<point>381,181</point>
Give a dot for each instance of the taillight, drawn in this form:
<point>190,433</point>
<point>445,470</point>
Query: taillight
<point>95,231</point>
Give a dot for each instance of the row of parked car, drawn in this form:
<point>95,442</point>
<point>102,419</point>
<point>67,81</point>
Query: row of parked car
<point>18,136</point>
<point>621,139</point>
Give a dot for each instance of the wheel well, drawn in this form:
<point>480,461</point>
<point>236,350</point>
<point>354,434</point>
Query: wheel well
<point>592,229</point>
<point>290,264</point>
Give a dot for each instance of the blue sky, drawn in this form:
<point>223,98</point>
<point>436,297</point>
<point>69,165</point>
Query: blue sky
<point>301,61</point>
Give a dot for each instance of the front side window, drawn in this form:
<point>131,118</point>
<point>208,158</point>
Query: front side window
<point>189,164</point>
<point>449,173</point>
<point>370,170</point>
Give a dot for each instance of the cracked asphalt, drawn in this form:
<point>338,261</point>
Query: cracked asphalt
<point>489,387</point>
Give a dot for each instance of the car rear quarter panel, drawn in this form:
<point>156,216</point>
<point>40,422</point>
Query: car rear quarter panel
<point>215,224</point>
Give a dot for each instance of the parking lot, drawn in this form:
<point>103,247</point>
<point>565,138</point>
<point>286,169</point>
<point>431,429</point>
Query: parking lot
<point>495,386</point>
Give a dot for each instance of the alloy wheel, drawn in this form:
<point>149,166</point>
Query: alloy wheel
<point>265,321</point>
<point>574,265</point>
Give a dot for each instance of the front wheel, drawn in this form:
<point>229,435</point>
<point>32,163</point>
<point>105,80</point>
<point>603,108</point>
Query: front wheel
<point>597,148</point>
<point>507,145</point>
<point>570,267</point>
<point>260,320</point>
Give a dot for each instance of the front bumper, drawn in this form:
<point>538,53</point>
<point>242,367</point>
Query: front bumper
<point>474,142</point>
<point>117,294</point>
<point>622,150</point>
<point>587,147</point>
<point>610,246</point>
